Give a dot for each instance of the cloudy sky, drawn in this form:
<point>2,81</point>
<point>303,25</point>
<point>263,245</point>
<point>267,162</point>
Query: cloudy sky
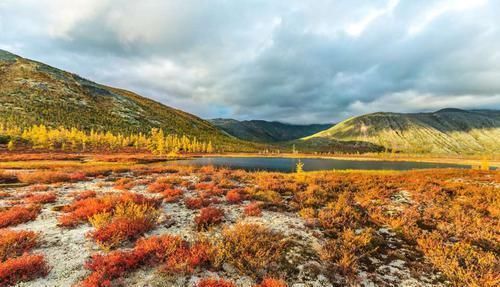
<point>293,61</point>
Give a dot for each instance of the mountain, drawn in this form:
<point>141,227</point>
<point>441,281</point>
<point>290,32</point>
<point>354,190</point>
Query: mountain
<point>35,93</point>
<point>447,131</point>
<point>265,131</point>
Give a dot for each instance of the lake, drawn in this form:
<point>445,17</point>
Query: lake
<point>310,164</point>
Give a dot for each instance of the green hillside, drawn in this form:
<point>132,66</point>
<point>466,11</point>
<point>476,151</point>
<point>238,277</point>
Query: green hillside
<point>448,131</point>
<point>34,93</point>
<point>265,131</point>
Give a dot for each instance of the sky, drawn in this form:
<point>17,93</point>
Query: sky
<point>293,61</point>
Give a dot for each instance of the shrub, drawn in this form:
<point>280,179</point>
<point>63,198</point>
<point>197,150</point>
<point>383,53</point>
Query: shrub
<point>39,187</point>
<point>127,221</point>
<point>344,252</point>
<point>214,282</point>
<point>267,196</point>
<point>340,214</point>
<point>84,194</point>
<point>196,202</point>
<point>14,243</point>
<point>307,213</point>
<point>250,248</point>
<point>462,263</point>
<point>43,177</point>
<point>24,268</point>
<point>77,176</point>
<point>107,267</point>
<point>233,196</point>
<point>270,282</point>
<point>172,195</point>
<point>80,210</point>
<point>253,209</point>
<point>124,183</point>
<point>173,253</point>
<point>47,197</point>
<point>18,214</point>
<point>161,184</point>
<point>4,194</point>
<point>208,216</point>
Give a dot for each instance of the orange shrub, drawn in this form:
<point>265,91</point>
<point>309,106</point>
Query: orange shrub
<point>77,176</point>
<point>340,214</point>
<point>24,268</point>
<point>43,177</point>
<point>39,187</point>
<point>462,263</point>
<point>233,196</point>
<point>214,282</point>
<point>253,209</point>
<point>126,221</point>
<point>4,194</point>
<point>251,248</point>
<point>343,253</point>
<point>80,210</point>
<point>84,194</point>
<point>7,177</point>
<point>172,195</point>
<point>208,216</point>
<point>161,184</point>
<point>47,197</point>
<point>270,282</point>
<point>124,183</point>
<point>18,214</point>
<point>14,243</point>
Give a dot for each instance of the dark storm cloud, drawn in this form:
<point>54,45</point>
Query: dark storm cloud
<point>293,61</point>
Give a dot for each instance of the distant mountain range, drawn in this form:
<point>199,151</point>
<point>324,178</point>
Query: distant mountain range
<point>266,131</point>
<point>447,131</point>
<point>35,93</point>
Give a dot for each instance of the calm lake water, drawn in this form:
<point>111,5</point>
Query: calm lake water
<point>310,164</point>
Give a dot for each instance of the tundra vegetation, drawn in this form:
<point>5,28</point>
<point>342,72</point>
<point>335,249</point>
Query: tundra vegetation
<point>123,222</point>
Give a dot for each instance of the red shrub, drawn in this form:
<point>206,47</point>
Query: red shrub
<point>172,195</point>
<point>14,243</point>
<point>79,211</point>
<point>18,214</point>
<point>270,282</point>
<point>205,186</point>
<point>119,230</point>
<point>4,194</point>
<point>176,255</point>
<point>214,282</point>
<point>208,216</point>
<point>77,176</point>
<point>124,184</point>
<point>84,194</point>
<point>108,267</point>
<point>24,268</point>
<point>253,209</point>
<point>47,197</point>
<point>39,187</point>
<point>195,202</point>
<point>160,185</point>
<point>233,196</point>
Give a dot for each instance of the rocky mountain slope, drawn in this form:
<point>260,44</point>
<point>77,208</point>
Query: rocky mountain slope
<point>447,131</point>
<point>35,93</point>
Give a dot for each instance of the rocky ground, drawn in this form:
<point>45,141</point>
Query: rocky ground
<point>395,263</point>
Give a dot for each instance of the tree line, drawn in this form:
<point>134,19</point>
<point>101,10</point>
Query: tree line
<point>73,139</point>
